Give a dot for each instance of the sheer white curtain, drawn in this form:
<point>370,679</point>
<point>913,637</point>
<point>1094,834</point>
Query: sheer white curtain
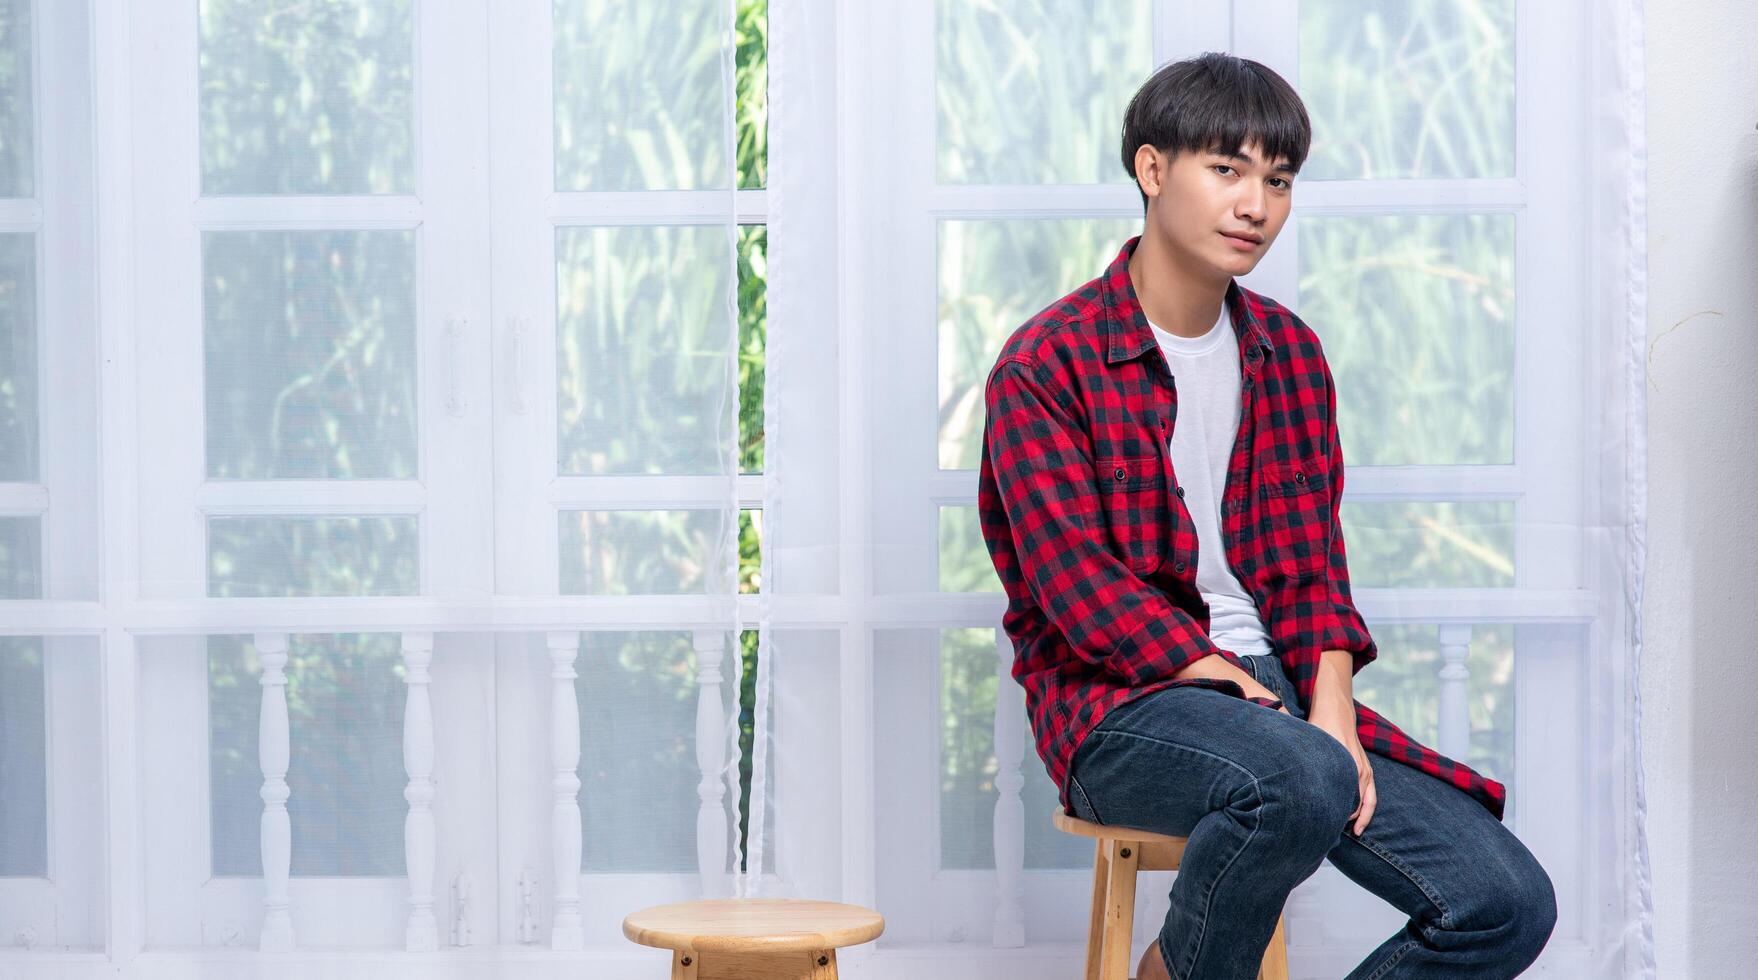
<point>372,524</point>
<point>415,417</point>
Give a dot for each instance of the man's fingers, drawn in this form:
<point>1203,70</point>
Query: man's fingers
<point>1369,800</point>
<point>1364,793</point>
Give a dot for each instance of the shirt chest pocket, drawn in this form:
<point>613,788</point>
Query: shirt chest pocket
<point>1132,491</point>
<point>1295,499</point>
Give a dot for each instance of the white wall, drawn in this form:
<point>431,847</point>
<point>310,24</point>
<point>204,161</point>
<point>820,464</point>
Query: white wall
<point>1701,621</point>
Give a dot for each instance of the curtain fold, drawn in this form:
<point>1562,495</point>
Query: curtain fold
<point>1627,264</point>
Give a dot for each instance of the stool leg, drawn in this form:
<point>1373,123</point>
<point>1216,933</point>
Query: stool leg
<point>1121,857</point>
<point>1275,965</point>
<point>1096,920</point>
<point>683,964</point>
<point>824,964</point>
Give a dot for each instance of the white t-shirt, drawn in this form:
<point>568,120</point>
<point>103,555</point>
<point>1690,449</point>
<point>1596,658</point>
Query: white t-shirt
<point>1205,371</point>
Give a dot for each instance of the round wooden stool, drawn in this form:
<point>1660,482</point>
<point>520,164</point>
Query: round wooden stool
<point>751,938</point>
<point>1120,853</point>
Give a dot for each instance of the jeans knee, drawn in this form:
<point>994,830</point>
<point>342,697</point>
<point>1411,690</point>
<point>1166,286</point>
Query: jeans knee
<point>1533,903</point>
<point>1317,794</point>
<point>1518,909</point>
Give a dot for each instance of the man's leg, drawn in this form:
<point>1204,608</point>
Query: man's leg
<point>1480,905</point>
<point>1262,797</point>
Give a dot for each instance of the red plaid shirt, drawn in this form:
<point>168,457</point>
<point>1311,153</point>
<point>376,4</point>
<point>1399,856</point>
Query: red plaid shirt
<point>1081,514</point>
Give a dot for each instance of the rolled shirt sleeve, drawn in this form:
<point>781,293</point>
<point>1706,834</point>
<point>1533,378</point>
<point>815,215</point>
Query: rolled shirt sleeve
<point>1334,623</point>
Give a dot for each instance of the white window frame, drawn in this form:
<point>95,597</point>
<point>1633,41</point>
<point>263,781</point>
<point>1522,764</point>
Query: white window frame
<point>57,911</point>
<point>851,239</point>
<point>162,901</point>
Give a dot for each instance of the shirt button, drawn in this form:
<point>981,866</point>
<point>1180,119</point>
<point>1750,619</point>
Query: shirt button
<point>1180,491</point>
<point>1300,478</point>
<point>1119,473</point>
<point>1178,567</point>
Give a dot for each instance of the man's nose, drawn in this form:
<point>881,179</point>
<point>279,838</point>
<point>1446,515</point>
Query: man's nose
<point>1251,204</point>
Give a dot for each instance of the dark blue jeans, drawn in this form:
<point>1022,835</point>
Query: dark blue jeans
<point>1264,799</point>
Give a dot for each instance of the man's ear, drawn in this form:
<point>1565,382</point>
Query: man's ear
<point>1150,169</point>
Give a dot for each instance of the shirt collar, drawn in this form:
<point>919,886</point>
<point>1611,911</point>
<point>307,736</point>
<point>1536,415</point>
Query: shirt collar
<point>1126,329</point>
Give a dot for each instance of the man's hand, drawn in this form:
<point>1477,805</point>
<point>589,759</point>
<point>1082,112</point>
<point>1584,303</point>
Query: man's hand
<point>1219,667</point>
<point>1336,715</point>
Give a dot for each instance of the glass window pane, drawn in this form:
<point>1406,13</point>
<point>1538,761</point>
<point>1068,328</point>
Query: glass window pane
<point>313,556</point>
<point>21,558</point>
<point>965,565</point>
<point>1430,544</point>
<point>1408,88</point>
<point>751,551</point>
<point>968,675</point>
<point>1403,684</point>
<point>345,777</point>
<point>638,771</point>
<point>18,138</point>
<point>753,341</point>
<point>1417,316</point>
<point>747,701</point>
<point>753,92</point>
<point>313,98</point>
<point>644,335</point>
<point>309,340</point>
<point>639,552</point>
<point>1033,91</point>
<point>639,96</point>
<point>993,276</point>
<point>19,411</point>
<point>24,785</point>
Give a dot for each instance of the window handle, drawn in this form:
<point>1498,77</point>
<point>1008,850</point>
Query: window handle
<point>456,402</point>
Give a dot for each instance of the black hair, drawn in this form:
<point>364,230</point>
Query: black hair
<point>1215,101</point>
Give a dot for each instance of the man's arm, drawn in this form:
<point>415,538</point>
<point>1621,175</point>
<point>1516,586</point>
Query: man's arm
<point>1041,461</point>
<point>1335,677</point>
<point>1342,638</point>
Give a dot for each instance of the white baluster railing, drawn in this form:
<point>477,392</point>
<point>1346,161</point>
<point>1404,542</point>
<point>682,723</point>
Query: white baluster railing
<point>1009,808</point>
<point>274,746</point>
<point>422,934</point>
<point>710,647</point>
<point>567,930</point>
<point>1455,717</point>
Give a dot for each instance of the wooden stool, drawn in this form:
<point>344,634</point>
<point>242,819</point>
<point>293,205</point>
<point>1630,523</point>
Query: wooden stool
<point>751,938</point>
<point>1121,852</point>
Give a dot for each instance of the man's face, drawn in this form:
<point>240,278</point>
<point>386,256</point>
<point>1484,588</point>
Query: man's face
<point>1208,207</point>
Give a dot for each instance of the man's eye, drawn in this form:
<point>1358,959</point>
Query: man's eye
<point>1223,166</point>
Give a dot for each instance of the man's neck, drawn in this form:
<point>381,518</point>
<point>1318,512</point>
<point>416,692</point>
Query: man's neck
<point>1177,302</point>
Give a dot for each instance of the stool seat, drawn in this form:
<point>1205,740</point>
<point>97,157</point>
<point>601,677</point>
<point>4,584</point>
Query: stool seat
<point>748,937</point>
<point>1118,854</point>
<point>1068,823</point>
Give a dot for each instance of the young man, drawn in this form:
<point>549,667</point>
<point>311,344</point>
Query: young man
<point>1159,492</point>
